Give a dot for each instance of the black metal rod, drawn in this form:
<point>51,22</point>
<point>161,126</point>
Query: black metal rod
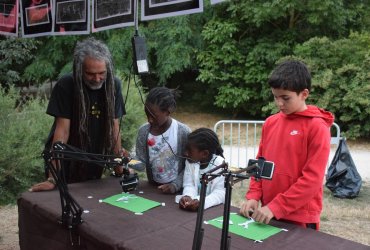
<point>225,239</point>
<point>199,231</point>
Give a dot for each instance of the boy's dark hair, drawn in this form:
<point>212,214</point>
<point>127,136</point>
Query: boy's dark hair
<point>163,97</point>
<point>205,139</point>
<point>291,75</point>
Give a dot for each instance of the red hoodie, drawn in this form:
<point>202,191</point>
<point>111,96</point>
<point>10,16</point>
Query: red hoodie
<point>299,145</point>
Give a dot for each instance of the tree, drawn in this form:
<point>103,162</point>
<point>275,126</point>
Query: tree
<point>15,54</point>
<point>245,39</point>
<point>341,81</point>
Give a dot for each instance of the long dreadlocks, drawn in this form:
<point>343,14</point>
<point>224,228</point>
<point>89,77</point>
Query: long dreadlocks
<point>95,49</point>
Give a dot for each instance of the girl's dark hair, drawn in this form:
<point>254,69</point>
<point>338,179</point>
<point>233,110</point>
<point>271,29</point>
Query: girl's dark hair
<point>163,97</point>
<point>291,75</point>
<point>205,139</point>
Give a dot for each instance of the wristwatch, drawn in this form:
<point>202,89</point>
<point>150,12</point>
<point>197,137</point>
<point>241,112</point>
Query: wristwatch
<point>52,180</point>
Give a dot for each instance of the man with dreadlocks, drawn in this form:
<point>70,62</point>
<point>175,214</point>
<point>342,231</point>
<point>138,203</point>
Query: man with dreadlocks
<point>87,106</point>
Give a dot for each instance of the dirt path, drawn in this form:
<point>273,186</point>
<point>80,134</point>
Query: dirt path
<point>9,228</point>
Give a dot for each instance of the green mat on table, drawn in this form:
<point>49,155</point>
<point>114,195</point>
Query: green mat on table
<point>131,202</point>
<point>254,230</point>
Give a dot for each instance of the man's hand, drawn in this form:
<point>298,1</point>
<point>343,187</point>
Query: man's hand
<point>167,188</point>
<point>247,207</point>
<point>43,186</point>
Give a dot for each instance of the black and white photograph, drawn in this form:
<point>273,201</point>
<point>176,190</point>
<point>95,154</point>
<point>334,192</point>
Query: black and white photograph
<point>155,9</point>
<point>111,14</point>
<point>72,17</point>
<point>37,18</point>
<point>9,17</point>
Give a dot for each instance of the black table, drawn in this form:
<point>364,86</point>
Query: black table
<point>165,227</point>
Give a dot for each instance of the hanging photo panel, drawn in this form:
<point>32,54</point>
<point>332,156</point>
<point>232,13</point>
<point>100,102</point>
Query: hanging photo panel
<point>9,17</point>
<point>155,9</point>
<point>111,14</point>
<point>37,18</point>
<point>72,17</point>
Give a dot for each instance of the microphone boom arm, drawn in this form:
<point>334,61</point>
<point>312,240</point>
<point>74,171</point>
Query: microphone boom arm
<point>54,159</point>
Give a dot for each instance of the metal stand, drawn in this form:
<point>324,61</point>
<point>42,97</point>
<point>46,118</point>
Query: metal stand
<point>230,179</point>
<point>71,210</point>
<point>205,179</point>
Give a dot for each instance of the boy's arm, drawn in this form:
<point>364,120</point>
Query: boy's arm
<point>311,180</point>
<point>254,191</point>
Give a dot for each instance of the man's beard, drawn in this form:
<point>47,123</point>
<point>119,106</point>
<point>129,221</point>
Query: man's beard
<point>93,85</point>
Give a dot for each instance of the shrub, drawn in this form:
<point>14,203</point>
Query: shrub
<point>22,138</point>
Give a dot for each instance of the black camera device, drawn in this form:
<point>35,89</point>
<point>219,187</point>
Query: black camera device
<point>129,181</point>
<point>260,168</point>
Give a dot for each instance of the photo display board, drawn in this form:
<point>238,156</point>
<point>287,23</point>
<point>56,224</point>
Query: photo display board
<point>63,17</point>
<point>155,9</point>
<point>72,17</point>
<point>9,17</point>
<point>110,14</point>
<point>37,19</point>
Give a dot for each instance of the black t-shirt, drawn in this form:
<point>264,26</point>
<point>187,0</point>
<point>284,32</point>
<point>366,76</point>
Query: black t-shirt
<point>62,104</point>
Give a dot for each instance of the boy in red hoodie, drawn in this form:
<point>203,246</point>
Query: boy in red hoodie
<point>297,140</point>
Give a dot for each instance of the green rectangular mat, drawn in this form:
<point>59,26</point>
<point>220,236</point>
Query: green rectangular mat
<point>131,202</point>
<point>245,227</point>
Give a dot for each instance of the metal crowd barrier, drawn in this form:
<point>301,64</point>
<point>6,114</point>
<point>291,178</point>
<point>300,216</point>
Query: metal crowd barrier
<point>240,139</point>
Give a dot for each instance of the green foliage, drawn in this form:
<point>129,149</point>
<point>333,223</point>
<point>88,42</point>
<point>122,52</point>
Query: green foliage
<point>341,80</point>
<point>119,43</point>
<point>22,138</point>
<point>15,53</point>
<point>173,44</point>
<point>53,55</point>
<point>135,116</point>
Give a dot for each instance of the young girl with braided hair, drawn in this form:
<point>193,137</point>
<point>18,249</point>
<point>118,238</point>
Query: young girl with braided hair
<point>204,153</point>
<point>161,141</point>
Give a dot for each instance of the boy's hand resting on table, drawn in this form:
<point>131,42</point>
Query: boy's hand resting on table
<point>250,209</point>
<point>189,204</point>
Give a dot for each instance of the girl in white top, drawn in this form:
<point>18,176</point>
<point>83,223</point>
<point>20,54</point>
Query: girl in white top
<point>204,152</point>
